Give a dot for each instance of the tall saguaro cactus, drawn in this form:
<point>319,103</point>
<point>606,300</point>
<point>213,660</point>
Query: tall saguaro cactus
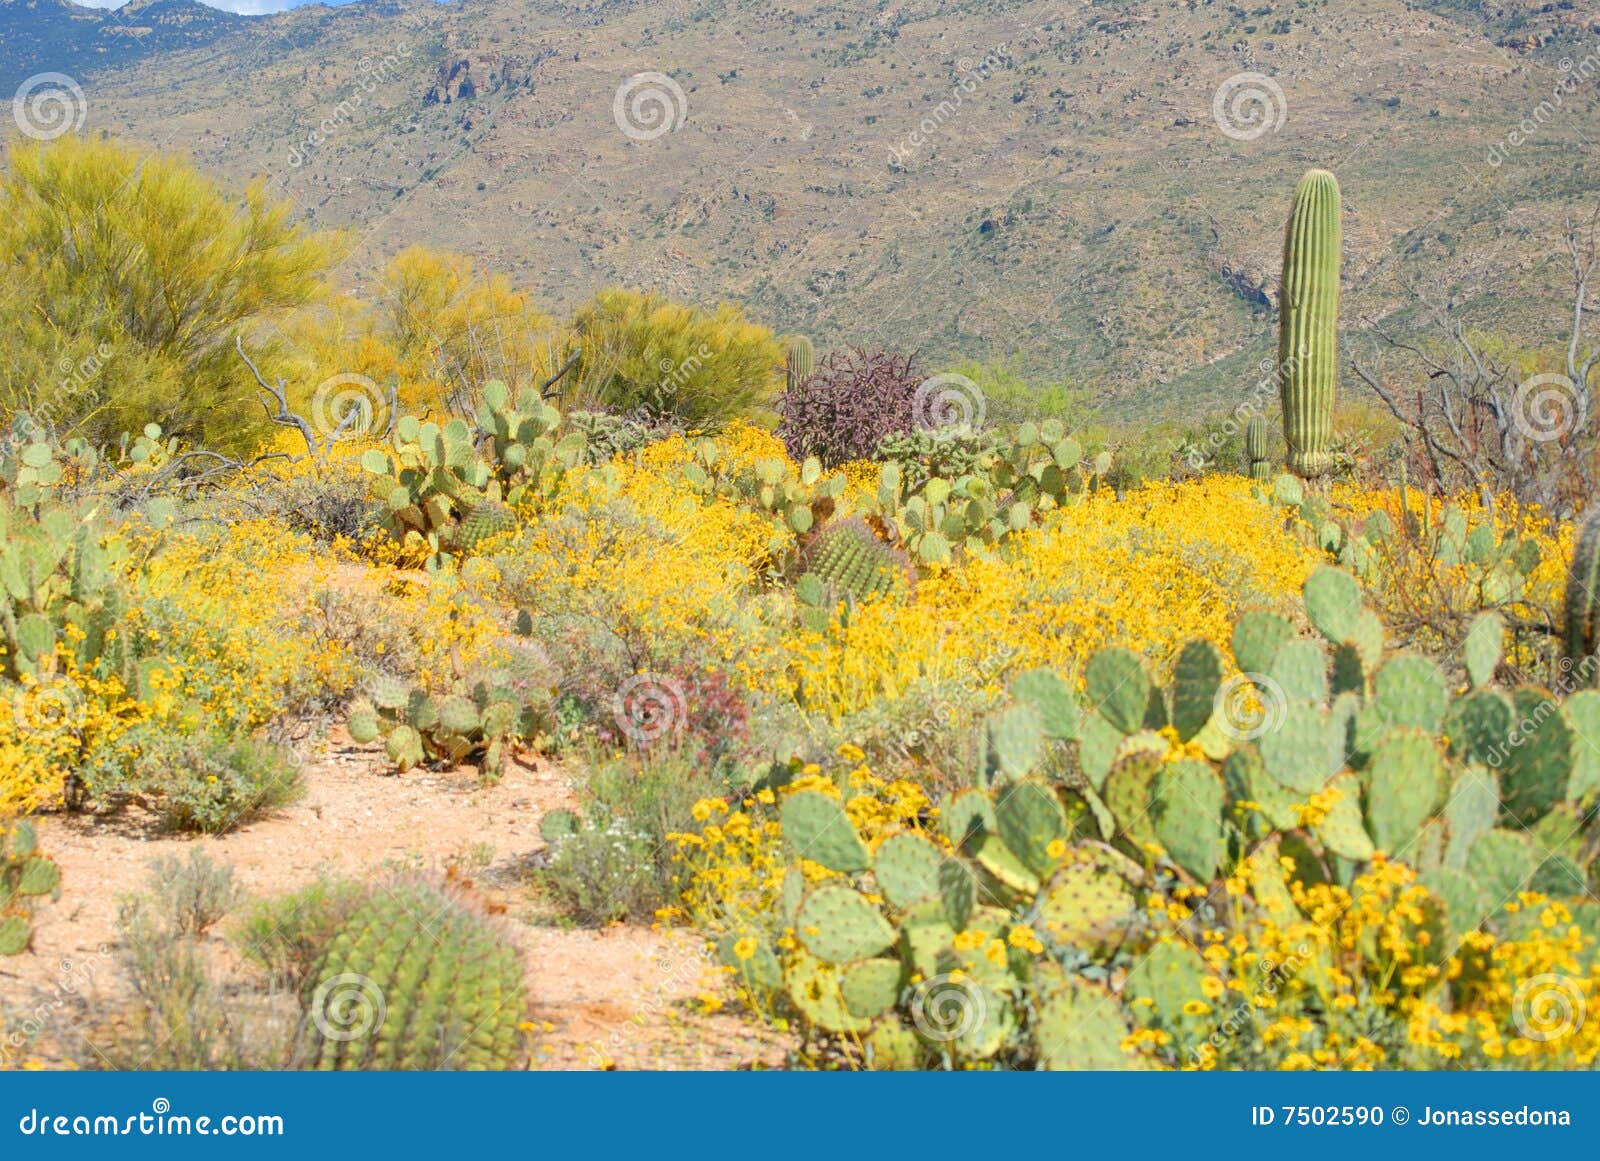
<point>1308,337</point>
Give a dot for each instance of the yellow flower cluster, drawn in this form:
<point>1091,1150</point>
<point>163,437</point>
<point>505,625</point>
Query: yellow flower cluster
<point>1168,563</point>
<point>1308,986</point>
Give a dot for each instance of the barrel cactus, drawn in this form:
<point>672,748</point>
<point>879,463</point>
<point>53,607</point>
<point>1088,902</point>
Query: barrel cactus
<point>1583,597</point>
<point>1255,448</point>
<point>801,360</point>
<point>850,562</point>
<point>416,978</point>
<point>1308,340</point>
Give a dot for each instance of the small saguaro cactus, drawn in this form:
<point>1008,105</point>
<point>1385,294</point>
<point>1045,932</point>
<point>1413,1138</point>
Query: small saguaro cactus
<point>1255,448</point>
<point>1583,599</point>
<point>1308,337</point>
<point>801,361</point>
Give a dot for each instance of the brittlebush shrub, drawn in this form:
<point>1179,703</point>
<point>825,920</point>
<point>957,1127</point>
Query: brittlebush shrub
<point>643,352</point>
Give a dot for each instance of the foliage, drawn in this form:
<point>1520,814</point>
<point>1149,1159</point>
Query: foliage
<point>848,404</point>
<point>1273,803</point>
<point>203,782</point>
<point>134,274</point>
<point>196,892</point>
<point>181,1014</point>
<point>641,351</point>
<point>26,876</point>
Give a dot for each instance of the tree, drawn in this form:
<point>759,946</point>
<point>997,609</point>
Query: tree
<point>128,275</point>
<point>1492,420</point>
<point>641,351</point>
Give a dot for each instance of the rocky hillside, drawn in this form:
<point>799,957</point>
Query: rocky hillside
<point>1096,189</point>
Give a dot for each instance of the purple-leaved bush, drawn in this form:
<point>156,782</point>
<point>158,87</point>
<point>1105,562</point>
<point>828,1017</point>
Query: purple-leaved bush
<point>853,399</point>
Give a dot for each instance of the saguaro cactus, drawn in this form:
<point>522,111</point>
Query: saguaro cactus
<point>1308,337</point>
<point>1255,448</point>
<point>1583,601</point>
<point>802,359</point>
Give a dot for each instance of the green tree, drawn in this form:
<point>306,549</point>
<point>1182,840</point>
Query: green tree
<point>126,276</point>
<point>641,350</point>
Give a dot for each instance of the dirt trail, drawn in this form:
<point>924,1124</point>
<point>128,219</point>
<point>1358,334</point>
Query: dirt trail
<point>621,997</point>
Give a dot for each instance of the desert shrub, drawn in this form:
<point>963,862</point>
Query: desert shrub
<point>643,351</point>
<point>183,1013</point>
<point>604,870</point>
<point>134,322</point>
<point>208,782</point>
<point>196,891</point>
<point>327,505</point>
<point>849,404</point>
<point>613,859</point>
<point>1010,399</point>
<point>285,934</point>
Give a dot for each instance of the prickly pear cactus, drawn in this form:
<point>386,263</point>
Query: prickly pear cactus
<point>26,876</point>
<point>417,978</point>
<point>980,939</point>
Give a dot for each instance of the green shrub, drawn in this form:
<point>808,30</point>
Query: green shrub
<point>208,782</point>
<point>645,352</point>
<point>284,935</point>
<point>196,891</point>
<point>134,323</point>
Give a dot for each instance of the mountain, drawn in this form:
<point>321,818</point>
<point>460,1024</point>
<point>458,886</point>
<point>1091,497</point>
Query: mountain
<point>1095,189</point>
<point>39,36</point>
